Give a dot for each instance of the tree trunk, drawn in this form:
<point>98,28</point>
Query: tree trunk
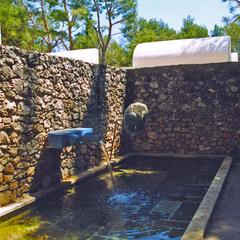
<point>0,34</point>
<point>45,23</point>
<point>103,56</point>
<point>70,37</point>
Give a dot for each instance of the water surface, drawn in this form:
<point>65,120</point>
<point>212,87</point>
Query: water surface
<point>151,199</point>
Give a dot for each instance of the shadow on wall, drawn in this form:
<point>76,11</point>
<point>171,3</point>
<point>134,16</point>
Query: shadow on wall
<point>55,164</point>
<point>75,159</point>
<point>126,141</point>
<point>39,166</point>
<point>105,105</point>
<point>54,93</point>
<point>78,158</point>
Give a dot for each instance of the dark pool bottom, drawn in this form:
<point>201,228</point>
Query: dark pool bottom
<point>150,199</point>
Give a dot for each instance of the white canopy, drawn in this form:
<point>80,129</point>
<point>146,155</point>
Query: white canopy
<point>87,55</point>
<point>185,51</point>
<point>234,57</point>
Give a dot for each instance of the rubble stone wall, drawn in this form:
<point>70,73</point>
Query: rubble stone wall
<point>193,109</point>
<point>40,93</point>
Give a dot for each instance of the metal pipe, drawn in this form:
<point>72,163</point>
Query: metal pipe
<point>105,152</point>
<point>113,138</point>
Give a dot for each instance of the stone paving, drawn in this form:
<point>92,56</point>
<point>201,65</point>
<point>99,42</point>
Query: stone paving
<point>225,223</point>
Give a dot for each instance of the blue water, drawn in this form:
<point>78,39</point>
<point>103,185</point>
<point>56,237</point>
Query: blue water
<point>122,198</point>
<point>160,236</point>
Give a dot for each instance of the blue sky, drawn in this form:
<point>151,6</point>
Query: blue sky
<point>205,12</point>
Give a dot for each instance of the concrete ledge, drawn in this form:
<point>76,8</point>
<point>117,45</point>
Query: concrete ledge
<point>197,228</point>
<point>44,192</point>
<point>16,206</point>
<point>176,156</point>
<point>92,171</point>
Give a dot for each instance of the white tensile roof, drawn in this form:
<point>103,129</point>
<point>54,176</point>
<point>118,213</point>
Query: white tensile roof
<point>184,51</point>
<point>89,55</point>
<point>234,57</point>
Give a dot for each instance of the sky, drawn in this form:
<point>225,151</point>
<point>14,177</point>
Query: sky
<point>172,12</point>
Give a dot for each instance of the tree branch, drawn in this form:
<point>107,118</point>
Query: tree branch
<point>64,44</point>
<point>98,29</point>
<point>114,34</point>
<point>45,23</point>
<point>36,26</point>
<point>99,37</point>
<point>110,25</point>
<point>117,22</point>
<point>69,26</point>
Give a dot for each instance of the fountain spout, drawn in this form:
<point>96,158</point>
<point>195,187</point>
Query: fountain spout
<point>108,159</point>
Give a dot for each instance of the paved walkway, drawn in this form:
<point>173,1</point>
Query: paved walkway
<point>225,223</point>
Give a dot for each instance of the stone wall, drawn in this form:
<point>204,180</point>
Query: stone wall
<point>40,93</point>
<point>193,109</point>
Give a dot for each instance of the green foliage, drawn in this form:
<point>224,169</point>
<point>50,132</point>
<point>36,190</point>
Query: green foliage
<point>50,25</point>
<point>116,12</point>
<point>233,30</point>
<point>154,30</point>
<point>232,27</point>
<point>39,21</point>
<point>69,17</point>
<point>13,24</point>
<point>218,31</point>
<point>84,40</point>
<point>116,55</point>
<point>148,31</point>
<point>191,30</point>
<point>234,8</point>
<point>56,23</point>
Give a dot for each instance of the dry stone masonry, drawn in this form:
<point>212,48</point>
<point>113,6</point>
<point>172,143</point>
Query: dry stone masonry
<point>40,93</point>
<point>193,109</point>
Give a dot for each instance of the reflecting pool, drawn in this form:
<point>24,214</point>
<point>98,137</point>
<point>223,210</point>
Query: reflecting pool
<point>151,199</point>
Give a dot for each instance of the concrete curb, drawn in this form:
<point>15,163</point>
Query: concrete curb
<point>92,171</point>
<point>16,206</point>
<point>176,156</point>
<point>197,227</point>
